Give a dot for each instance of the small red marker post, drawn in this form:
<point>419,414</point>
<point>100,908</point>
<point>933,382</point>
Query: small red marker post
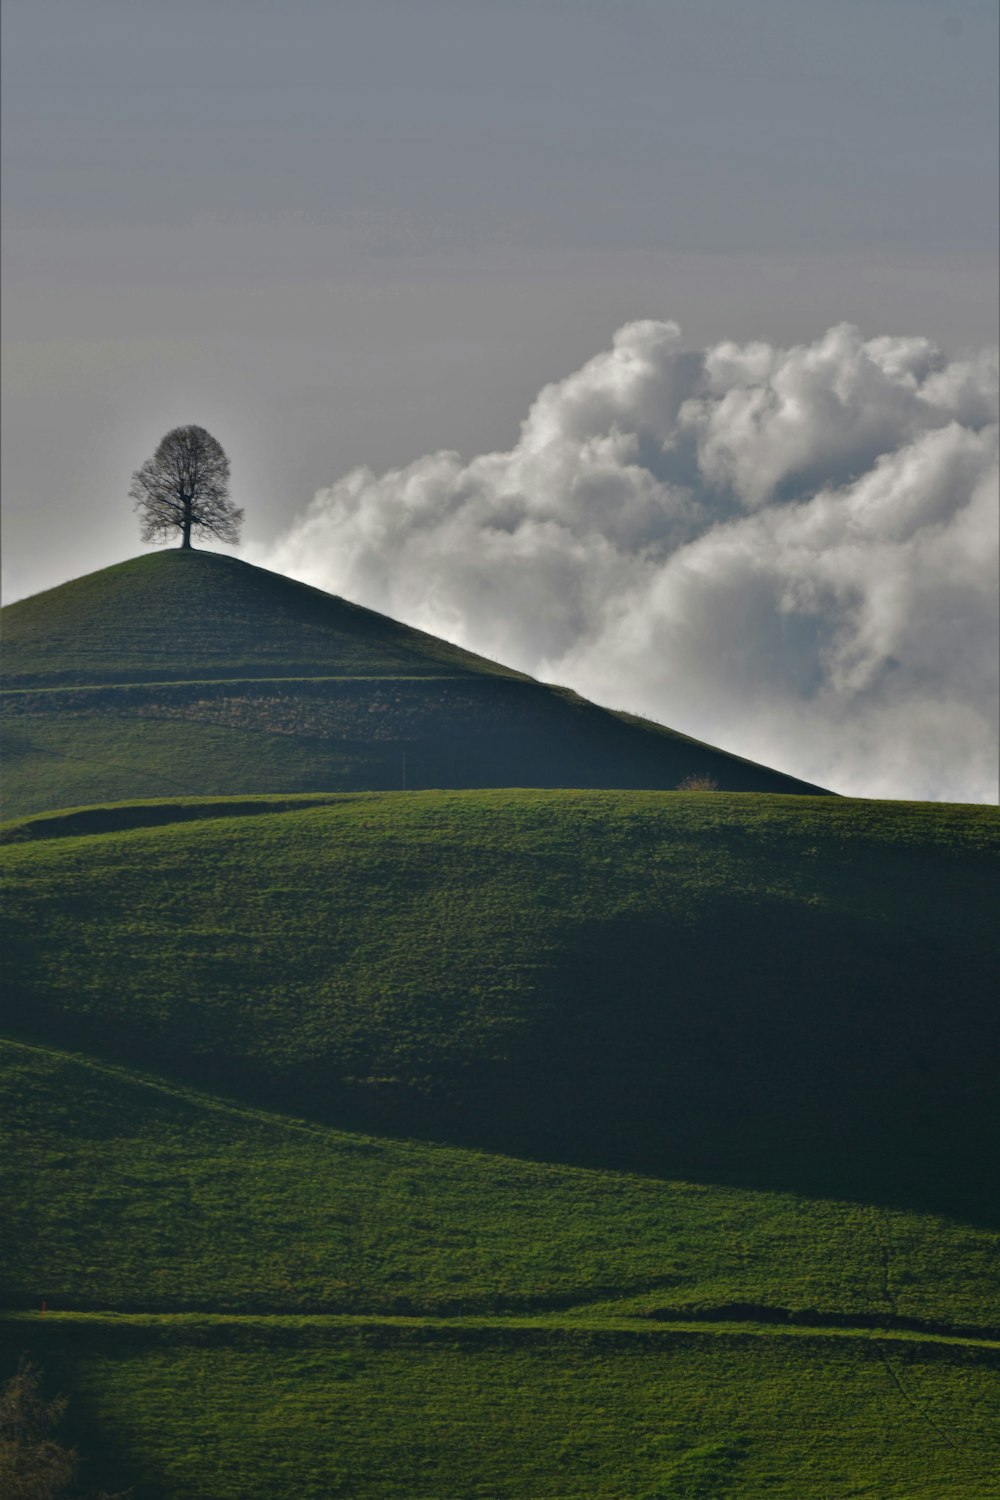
<point>43,1307</point>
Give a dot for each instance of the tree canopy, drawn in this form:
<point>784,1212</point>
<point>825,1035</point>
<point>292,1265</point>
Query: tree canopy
<point>185,487</point>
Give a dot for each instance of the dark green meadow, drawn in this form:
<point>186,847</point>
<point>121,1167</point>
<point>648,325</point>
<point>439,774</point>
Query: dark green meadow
<point>347,1315</point>
<point>610,979</point>
<point>258,1286</point>
<point>147,1198</point>
<point>217,1409</point>
<point>71,746</point>
<point>558,1135</point>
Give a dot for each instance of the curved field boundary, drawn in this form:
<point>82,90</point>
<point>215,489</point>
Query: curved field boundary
<point>541,1326</point>
<point>122,817</point>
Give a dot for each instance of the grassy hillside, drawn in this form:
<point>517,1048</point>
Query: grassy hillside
<point>191,674</point>
<point>325,1314</point>
<point>608,1144</point>
<point>126,1193</point>
<point>175,616</point>
<point>299,1409</point>
<point>762,1028</point>
<point>607,978</point>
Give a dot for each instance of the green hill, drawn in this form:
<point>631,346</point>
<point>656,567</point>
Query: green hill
<point>187,673</point>
<point>386,1226</point>
<point>619,979</point>
<point>797,1296</point>
<point>585,1141</point>
<point>175,616</point>
<point>282,1309</point>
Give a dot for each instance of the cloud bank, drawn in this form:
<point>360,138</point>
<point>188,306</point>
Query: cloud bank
<point>791,553</point>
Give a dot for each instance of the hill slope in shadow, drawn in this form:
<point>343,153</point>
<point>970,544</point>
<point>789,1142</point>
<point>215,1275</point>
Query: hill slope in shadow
<point>780,993</point>
<point>194,674</point>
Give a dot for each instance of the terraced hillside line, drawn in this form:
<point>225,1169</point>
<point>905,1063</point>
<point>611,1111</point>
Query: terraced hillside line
<point>540,1325</point>
<point>121,817</point>
<point>173,1090</point>
<point>282,1410</point>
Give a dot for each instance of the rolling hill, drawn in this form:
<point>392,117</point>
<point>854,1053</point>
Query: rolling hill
<point>507,969</point>
<point>592,1141</point>
<point>187,673</point>
<point>243,1305</point>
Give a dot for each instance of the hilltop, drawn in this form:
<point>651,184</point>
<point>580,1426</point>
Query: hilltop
<point>193,616</point>
<point>188,673</point>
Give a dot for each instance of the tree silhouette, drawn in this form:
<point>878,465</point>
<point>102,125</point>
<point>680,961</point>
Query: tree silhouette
<point>185,487</point>
<point>34,1465</point>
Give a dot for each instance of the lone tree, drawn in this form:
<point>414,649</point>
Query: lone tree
<point>185,487</point>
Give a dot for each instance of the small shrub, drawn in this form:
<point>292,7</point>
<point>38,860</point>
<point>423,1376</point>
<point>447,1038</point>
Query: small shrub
<point>698,784</point>
<point>33,1465</point>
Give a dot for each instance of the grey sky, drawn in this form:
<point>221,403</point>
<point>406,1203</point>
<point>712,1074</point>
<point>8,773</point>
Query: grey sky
<point>338,233</point>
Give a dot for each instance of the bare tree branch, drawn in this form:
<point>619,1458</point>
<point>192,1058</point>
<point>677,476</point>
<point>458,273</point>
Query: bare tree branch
<point>185,487</point>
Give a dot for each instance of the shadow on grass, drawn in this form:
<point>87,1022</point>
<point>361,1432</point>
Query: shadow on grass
<point>745,1052</point>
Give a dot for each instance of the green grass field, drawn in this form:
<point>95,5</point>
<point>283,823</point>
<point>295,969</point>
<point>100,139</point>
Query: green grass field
<point>216,1409</point>
<point>616,1144</point>
<point>247,1300</point>
<point>247,1305</point>
<point>613,979</point>
<point>147,1197</point>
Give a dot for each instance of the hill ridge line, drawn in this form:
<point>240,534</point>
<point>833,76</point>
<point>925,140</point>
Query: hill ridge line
<point>143,814</point>
<point>216,1101</point>
<point>73,822</point>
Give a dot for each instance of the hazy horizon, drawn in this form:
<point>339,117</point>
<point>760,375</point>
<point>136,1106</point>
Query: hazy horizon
<point>375,248</point>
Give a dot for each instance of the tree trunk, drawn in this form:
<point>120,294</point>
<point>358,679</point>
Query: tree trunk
<point>186,542</point>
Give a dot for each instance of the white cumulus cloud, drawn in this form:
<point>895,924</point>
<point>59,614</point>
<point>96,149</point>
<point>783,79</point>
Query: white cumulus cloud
<point>791,553</point>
